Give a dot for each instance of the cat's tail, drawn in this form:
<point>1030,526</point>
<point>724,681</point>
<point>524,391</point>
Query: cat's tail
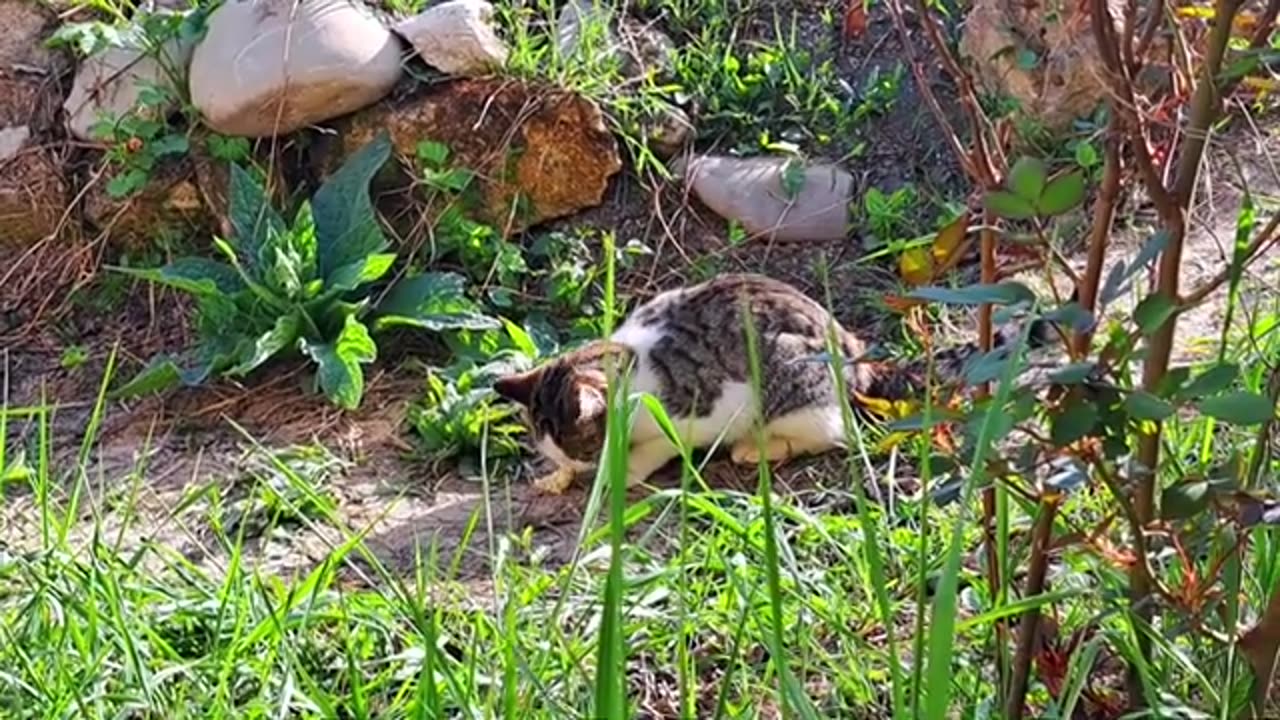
<point>907,380</point>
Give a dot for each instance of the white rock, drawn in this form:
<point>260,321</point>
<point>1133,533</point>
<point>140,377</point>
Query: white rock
<point>751,191</point>
<point>269,67</point>
<point>456,37</point>
<point>574,16</point>
<point>12,139</point>
<point>108,84</point>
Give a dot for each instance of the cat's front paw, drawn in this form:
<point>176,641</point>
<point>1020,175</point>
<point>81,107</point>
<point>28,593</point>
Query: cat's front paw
<point>554,482</point>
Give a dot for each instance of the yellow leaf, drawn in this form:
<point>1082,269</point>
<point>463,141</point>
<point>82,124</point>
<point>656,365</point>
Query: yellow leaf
<point>1189,11</point>
<point>1261,84</point>
<point>891,409</point>
<point>916,266</point>
<point>879,406</point>
<point>890,441</point>
<point>949,245</point>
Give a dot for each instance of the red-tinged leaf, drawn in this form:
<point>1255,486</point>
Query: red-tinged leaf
<point>900,304</point>
<point>855,20</point>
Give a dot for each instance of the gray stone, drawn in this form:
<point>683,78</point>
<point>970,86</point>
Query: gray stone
<point>752,192</point>
<point>456,37</point>
<point>269,67</point>
<point>109,84</point>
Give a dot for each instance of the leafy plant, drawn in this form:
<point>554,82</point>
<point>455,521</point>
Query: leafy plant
<point>138,141</point>
<point>887,215</point>
<point>457,415</point>
<point>302,287</point>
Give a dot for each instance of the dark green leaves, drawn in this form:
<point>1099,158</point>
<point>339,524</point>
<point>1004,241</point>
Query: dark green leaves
<point>1238,408</point>
<point>1211,381</point>
<point>432,301</point>
<point>1145,406</point>
<point>305,286</point>
<point>1185,499</point>
<point>253,220</point>
<point>198,276</point>
<point>1153,311</point>
<point>1005,293</point>
<point>347,229</point>
<point>1075,421</point>
<point>1073,373</point>
<point>1030,193</point>
<point>340,375</point>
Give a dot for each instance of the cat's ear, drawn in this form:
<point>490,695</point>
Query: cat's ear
<point>519,386</point>
<point>591,402</point>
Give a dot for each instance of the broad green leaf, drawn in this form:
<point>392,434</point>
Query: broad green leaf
<point>254,222</point>
<point>1115,284</point>
<point>284,334</point>
<point>347,227</point>
<point>1153,311</point>
<point>1145,406</point>
<point>1238,408</point>
<point>1150,250</point>
<point>340,375</point>
<point>1073,373</point>
<point>1073,423</point>
<point>364,270</point>
<point>1005,293</point>
<point>1026,178</point>
<point>1062,194</point>
<point>1211,381</point>
<point>198,276</point>
<point>1073,315</point>
<point>1185,499</point>
<point>432,301</point>
<point>1009,206</point>
<point>987,366</point>
<point>1174,378</point>
<point>160,374</point>
<point>522,340</point>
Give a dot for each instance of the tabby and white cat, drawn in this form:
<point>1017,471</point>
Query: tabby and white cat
<point>688,348</point>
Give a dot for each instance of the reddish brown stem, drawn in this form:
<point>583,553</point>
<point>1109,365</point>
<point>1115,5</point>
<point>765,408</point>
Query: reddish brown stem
<point>1104,211</point>
<point>1029,628</point>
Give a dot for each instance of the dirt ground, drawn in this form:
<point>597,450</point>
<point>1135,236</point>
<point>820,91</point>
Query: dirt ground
<point>154,455</point>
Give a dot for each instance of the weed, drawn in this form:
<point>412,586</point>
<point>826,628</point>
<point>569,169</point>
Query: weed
<point>889,215</point>
<point>304,286</point>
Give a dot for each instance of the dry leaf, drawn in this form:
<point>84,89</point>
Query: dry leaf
<point>855,20</point>
<point>900,304</point>
<point>949,245</point>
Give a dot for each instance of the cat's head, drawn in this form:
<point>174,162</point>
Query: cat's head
<point>564,403</point>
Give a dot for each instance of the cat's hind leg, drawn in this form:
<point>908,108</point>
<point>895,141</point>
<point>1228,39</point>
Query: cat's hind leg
<point>807,431</point>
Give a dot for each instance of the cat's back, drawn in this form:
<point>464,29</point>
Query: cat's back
<point>693,337</point>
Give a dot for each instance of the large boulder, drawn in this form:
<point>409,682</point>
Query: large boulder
<point>774,197</point>
<point>537,152</point>
<point>1041,55</point>
<point>456,37</point>
<point>269,67</point>
<point>109,84</point>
